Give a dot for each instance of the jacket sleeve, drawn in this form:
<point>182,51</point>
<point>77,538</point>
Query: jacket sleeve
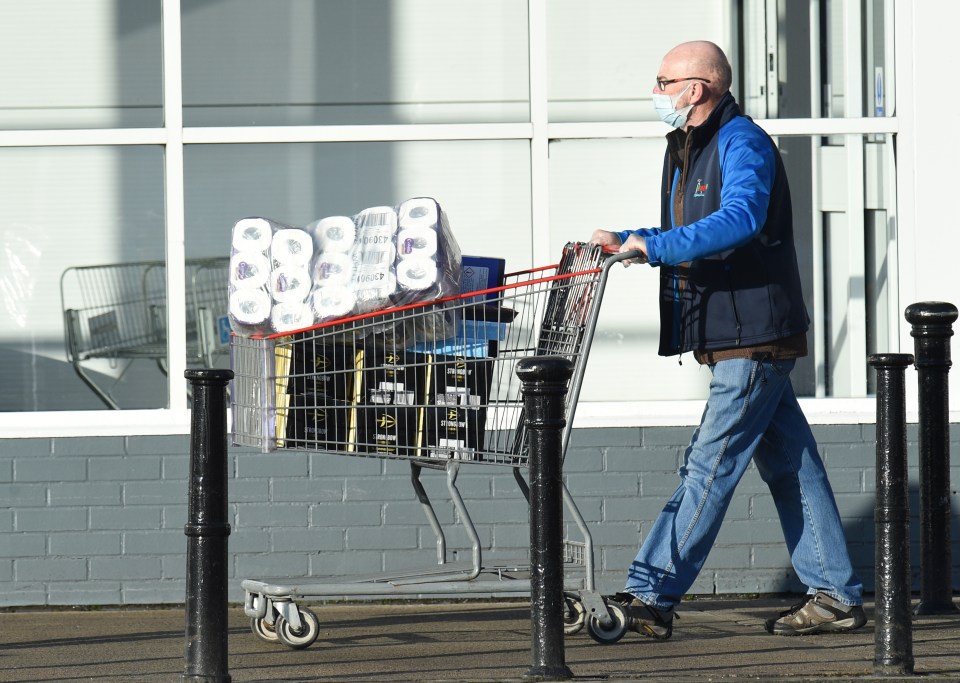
<point>642,232</point>
<point>748,169</point>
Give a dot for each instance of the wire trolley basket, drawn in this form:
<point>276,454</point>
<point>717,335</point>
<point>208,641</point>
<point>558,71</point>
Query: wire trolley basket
<point>432,383</point>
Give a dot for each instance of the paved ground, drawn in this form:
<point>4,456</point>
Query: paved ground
<point>714,640</point>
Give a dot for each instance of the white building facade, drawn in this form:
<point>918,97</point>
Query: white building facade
<point>139,131</point>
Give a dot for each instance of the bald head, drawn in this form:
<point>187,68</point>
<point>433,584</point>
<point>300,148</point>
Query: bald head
<point>703,59</point>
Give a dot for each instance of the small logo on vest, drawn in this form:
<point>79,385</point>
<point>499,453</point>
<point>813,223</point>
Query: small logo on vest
<point>701,190</point>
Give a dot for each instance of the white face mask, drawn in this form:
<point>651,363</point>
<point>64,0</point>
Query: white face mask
<point>667,111</point>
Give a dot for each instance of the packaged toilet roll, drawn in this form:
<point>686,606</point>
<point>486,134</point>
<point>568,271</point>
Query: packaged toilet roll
<point>250,306</point>
<point>374,288</point>
<point>421,212</point>
<point>291,247</point>
<point>333,269</point>
<point>249,270</point>
<point>289,284</point>
<point>252,234</point>
<point>334,234</point>
<point>428,265</point>
<point>376,227</point>
<point>416,242</point>
<point>417,273</point>
<point>332,302</point>
<point>379,256</point>
<point>290,315</point>
<point>251,262</point>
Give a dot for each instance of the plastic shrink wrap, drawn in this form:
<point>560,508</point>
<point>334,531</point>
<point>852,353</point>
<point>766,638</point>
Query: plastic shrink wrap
<point>269,277</point>
<point>284,278</point>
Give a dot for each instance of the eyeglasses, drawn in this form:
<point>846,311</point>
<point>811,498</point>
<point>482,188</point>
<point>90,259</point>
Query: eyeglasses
<point>662,83</point>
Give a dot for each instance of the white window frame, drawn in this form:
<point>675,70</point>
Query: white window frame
<point>538,131</point>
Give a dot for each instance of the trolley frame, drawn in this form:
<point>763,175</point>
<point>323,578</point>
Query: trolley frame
<point>554,310</point>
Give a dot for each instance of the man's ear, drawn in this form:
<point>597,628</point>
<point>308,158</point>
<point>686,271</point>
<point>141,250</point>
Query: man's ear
<point>699,94</point>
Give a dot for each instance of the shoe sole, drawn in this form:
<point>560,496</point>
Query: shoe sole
<point>647,630</point>
<point>829,627</point>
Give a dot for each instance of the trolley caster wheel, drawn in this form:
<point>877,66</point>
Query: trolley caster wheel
<point>608,635</point>
<point>574,614</point>
<point>302,638</point>
<point>264,631</point>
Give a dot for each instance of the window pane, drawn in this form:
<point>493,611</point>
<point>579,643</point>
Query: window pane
<point>66,210</point>
<point>91,64</point>
<point>283,62</point>
<point>484,187</point>
<point>603,55</point>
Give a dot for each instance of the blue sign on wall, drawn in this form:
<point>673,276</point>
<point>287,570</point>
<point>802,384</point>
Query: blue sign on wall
<point>223,328</point>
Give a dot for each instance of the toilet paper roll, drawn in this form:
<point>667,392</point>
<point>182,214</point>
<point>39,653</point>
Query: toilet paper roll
<point>252,234</point>
<point>333,269</point>
<point>373,288</point>
<point>249,270</point>
<point>376,227</point>
<point>417,273</point>
<point>332,302</point>
<point>367,277</point>
<point>416,242</point>
<point>291,247</point>
<point>376,256</point>
<point>377,216</point>
<point>249,306</point>
<point>336,233</point>
<point>291,315</point>
<point>420,212</point>
<point>289,284</point>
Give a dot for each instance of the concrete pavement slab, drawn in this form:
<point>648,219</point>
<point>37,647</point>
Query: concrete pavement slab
<point>714,640</point>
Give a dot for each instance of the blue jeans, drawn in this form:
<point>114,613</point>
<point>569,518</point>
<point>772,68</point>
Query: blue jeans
<point>751,413</point>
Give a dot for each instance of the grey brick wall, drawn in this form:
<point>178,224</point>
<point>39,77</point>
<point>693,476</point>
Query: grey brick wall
<point>99,521</point>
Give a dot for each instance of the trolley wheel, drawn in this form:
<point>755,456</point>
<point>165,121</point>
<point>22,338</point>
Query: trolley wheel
<point>264,631</point>
<point>608,635</point>
<point>298,640</point>
<point>574,614</point>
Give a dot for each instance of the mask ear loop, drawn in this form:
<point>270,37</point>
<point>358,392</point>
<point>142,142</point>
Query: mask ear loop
<point>676,98</point>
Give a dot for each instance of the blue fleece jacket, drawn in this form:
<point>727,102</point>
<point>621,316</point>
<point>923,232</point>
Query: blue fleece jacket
<point>729,274</point>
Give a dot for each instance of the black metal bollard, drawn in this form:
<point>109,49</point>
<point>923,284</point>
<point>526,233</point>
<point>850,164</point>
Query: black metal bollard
<point>544,389</point>
<point>931,323</point>
<point>893,633</point>
<point>207,530</point>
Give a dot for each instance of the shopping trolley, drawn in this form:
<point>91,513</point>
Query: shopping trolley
<point>118,313</point>
<point>434,384</point>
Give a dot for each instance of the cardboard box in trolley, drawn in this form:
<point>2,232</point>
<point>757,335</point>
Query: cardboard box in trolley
<point>324,369</point>
<point>454,431</point>
<point>387,430</point>
<point>456,414</point>
<point>479,273</point>
<point>388,401</point>
<point>318,422</point>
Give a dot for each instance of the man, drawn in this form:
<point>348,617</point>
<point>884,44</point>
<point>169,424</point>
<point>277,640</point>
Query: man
<point>730,294</point>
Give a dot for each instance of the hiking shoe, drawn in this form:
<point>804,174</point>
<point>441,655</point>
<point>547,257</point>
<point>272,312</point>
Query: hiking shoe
<point>644,619</point>
<point>817,613</point>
